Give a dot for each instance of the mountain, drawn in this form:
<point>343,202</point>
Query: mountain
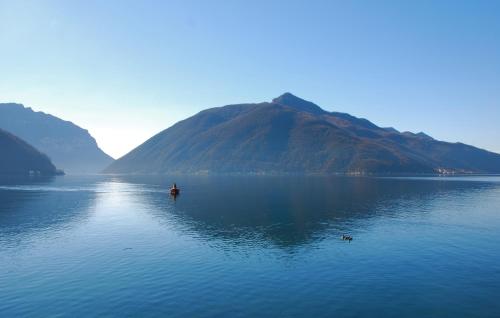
<point>292,136</point>
<point>18,158</point>
<point>70,147</point>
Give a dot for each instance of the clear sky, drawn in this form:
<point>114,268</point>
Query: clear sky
<point>126,70</point>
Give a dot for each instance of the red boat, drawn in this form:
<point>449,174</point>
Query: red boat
<point>174,190</point>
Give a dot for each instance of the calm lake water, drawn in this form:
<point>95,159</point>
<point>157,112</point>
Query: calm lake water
<point>250,247</point>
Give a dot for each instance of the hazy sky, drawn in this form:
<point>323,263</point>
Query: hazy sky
<point>126,70</point>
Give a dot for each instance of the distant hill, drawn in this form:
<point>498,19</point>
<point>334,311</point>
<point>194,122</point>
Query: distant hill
<point>70,147</point>
<point>18,158</point>
<point>293,136</point>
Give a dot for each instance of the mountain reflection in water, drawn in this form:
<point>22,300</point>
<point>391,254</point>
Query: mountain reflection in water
<point>291,211</point>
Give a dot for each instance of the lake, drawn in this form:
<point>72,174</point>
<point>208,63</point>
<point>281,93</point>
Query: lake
<point>103,246</point>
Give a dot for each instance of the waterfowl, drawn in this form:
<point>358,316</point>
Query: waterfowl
<point>346,237</point>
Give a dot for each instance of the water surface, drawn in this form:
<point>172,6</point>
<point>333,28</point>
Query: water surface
<point>250,246</point>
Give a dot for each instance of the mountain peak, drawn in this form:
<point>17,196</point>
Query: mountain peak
<point>424,135</point>
<point>292,101</point>
<point>294,136</point>
<point>287,96</point>
<point>420,135</point>
<point>13,106</point>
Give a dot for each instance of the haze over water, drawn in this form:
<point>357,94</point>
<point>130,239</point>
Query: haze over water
<point>250,246</point>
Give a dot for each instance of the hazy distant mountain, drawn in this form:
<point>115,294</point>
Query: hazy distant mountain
<point>70,147</point>
<point>18,158</point>
<point>291,135</point>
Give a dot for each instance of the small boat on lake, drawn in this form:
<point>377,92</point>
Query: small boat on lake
<point>174,190</point>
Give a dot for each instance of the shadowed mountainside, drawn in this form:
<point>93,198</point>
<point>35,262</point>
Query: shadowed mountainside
<point>18,158</point>
<point>292,136</point>
<point>70,147</point>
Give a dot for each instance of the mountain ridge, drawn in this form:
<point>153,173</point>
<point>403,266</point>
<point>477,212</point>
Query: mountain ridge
<point>290,135</point>
<point>70,147</point>
<point>18,158</point>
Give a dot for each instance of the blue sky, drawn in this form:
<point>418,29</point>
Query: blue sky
<point>126,70</point>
